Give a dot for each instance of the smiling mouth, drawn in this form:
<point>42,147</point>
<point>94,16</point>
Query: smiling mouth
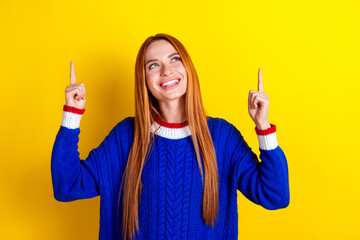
<point>170,83</point>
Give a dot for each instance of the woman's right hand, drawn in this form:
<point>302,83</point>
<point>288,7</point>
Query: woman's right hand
<point>75,94</point>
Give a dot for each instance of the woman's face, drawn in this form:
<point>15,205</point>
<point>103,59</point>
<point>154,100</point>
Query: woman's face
<point>163,65</point>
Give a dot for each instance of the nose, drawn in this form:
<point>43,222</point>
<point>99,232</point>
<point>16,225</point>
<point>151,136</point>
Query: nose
<point>166,70</point>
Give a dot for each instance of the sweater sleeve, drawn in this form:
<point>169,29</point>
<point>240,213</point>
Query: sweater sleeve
<point>72,177</point>
<point>265,183</point>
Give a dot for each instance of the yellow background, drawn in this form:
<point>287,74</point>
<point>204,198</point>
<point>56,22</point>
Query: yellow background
<point>309,53</point>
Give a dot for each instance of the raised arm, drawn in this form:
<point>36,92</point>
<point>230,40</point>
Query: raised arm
<point>73,178</point>
<point>265,183</point>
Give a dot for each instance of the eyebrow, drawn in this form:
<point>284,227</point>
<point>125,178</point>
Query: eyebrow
<point>153,60</point>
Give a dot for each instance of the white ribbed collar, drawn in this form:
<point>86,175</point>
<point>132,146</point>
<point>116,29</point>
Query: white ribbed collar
<point>171,130</point>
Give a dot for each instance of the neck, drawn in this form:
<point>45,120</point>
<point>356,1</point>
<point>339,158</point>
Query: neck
<point>171,125</point>
<point>173,111</point>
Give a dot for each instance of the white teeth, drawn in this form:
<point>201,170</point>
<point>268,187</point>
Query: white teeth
<point>171,83</point>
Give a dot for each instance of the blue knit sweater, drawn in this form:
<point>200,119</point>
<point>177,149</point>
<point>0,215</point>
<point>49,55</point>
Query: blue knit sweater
<point>171,198</point>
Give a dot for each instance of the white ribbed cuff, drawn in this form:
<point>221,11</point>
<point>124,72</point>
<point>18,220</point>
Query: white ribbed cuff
<point>71,120</point>
<point>267,137</point>
<point>268,142</point>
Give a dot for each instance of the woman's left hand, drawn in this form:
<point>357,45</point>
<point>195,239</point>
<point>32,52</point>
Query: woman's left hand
<point>258,105</point>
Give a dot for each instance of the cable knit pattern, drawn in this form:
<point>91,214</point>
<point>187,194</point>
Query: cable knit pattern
<point>162,183</point>
<point>172,194</point>
<point>171,198</point>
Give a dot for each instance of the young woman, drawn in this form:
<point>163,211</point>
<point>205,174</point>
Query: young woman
<point>170,172</point>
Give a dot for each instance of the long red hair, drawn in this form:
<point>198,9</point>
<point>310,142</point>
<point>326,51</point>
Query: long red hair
<point>146,110</point>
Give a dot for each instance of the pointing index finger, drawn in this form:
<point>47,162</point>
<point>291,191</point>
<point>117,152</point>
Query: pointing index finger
<point>260,81</point>
<point>72,73</point>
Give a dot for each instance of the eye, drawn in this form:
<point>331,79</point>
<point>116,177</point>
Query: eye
<point>176,58</point>
<point>151,65</point>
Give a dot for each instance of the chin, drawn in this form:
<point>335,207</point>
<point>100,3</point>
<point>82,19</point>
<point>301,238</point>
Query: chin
<point>172,97</point>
